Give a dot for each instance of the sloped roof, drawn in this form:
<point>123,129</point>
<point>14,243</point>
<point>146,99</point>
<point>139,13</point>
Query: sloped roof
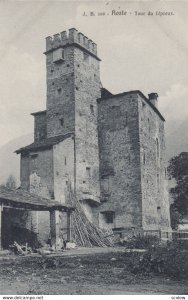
<point>42,112</point>
<point>44,144</point>
<point>20,198</point>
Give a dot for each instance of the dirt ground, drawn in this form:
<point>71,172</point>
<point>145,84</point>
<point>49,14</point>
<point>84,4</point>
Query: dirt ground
<point>82,271</point>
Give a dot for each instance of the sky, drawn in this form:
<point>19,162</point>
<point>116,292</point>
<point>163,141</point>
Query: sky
<point>144,52</point>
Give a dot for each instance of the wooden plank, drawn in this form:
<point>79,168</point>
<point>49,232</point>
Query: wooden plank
<point>1,212</point>
<point>68,226</point>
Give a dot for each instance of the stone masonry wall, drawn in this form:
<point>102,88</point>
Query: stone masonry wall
<point>63,160</point>
<point>119,153</point>
<point>40,127</point>
<point>155,205</point>
<point>37,177</point>
<point>87,90</point>
<point>60,94</point>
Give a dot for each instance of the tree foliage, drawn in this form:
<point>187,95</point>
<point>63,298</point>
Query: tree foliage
<point>10,182</point>
<point>178,170</point>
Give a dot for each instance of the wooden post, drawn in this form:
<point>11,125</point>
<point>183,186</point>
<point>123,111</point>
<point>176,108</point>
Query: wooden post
<point>68,225</point>
<point>160,234</point>
<point>54,227</point>
<point>1,212</point>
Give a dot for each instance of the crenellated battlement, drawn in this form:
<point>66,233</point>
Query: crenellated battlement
<point>71,37</point>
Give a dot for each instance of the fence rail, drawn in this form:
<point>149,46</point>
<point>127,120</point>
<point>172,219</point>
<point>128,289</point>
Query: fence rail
<point>168,235</point>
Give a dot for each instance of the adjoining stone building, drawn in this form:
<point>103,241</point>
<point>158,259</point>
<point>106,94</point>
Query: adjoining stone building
<point>110,147</point>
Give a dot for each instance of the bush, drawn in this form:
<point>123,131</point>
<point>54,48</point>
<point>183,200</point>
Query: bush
<point>142,242</point>
<point>170,260</point>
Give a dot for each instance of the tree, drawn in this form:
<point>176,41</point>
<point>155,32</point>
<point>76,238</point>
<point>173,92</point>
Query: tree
<point>178,169</point>
<point>10,182</point>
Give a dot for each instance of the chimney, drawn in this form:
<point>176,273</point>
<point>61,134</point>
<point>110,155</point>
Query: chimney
<point>153,99</point>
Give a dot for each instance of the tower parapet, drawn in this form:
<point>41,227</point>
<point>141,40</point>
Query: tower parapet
<point>71,37</point>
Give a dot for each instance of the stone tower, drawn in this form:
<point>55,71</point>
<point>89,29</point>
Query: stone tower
<point>73,85</point>
<point>132,163</point>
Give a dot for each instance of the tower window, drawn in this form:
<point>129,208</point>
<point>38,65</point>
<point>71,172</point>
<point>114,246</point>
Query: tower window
<point>108,217</point>
<point>158,182</point>
<point>86,57</point>
<point>144,158</point>
<point>88,172</point>
<point>59,91</point>
<point>157,147</point>
<point>58,55</point>
<point>92,109</point>
<point>61,121</point>
<point>65,160</point>
<point>34,155</point>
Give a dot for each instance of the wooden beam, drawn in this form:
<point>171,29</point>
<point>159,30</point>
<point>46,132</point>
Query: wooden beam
<point>1,212</point>
<point>54,227</point>
<point>68,225</point>
<point>33,207</point>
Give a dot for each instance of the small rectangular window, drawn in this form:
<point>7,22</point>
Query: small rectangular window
<point>108,217</point>
<point>59,91</point>
<point>158,182</point>
<point>88,172</point>
<point>92,109</point>
<point>34,155</point>
<point>86,57</point>
<point>61,121</point>
<point>144,158</point>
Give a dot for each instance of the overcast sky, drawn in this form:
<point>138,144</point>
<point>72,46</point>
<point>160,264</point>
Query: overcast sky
<point>149,53</point>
